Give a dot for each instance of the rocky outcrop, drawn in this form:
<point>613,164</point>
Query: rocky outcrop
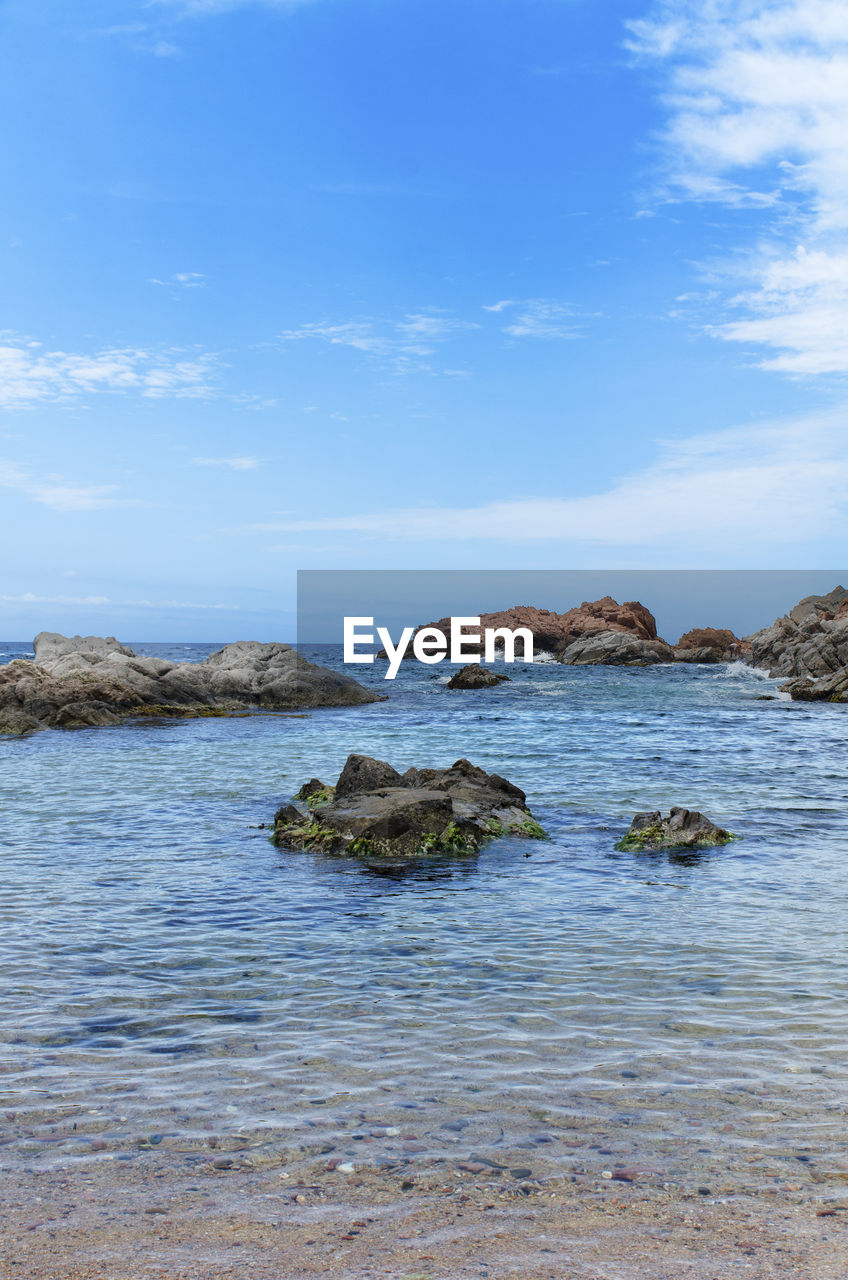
<point>376,813</point>
<point>616,649</point>
<point>810,646</point>
<point>682,829</point>
<point>602,632</point>
<point>80,681</point>
<point>553,632</point>
<point>474,677</point>
<point>710,644</point>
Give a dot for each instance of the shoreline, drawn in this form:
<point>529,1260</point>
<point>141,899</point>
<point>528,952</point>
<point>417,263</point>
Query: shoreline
<point>241,1221</point>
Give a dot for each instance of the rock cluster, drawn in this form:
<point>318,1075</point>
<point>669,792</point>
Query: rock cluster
<point>374,812</point>
<point>89,680</point>
<point>810,646</point>
<point>682,829</point>
<point>473,677</point>
<point>605,632</point>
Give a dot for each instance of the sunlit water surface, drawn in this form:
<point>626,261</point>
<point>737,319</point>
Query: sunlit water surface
<point>169,975</point>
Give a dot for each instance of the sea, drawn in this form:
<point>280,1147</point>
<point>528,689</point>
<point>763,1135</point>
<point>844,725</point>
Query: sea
<point>167,973</point>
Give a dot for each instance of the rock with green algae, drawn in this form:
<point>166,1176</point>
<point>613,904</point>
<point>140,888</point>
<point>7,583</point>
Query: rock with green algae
<point>374,812</point>
<point>682,829</point>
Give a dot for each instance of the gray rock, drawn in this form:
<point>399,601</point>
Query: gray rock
<point>810,646</point>
<point>615,648</point>
<point>377,813</point>
<point>475,677</point>
<point>362,774</point>
<point>93,681</point>
<point>682,829</point>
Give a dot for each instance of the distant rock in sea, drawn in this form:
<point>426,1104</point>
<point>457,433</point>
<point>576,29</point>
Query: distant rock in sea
<point>682,829</point>
<point>88,680</point>
<point>374,812</point>
<point>474,677</point>
<point>809,645</point>
<point>601,633</point>
<point>710,644</point>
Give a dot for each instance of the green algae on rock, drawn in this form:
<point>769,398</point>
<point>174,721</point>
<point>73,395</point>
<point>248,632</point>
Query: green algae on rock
<point>375,812</point>
<point>682,829</point>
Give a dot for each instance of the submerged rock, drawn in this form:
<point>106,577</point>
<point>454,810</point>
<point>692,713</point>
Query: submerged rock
<point>682,829</point>
<point>375,812</point>
<point>89,680</point>
<point>475,677</point>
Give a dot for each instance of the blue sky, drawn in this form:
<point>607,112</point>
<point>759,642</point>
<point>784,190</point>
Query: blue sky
<point>408,283</point>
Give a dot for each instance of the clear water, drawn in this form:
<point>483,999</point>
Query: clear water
<point>169,975</point>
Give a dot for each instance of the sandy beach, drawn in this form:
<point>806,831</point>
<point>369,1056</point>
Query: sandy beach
<point>259,1222</point>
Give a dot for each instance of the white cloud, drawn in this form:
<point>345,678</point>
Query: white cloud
<point>235,464</point>
<point>403,344</point>
<point>540,318</point>
<point>201,8</point>
<point>757,98</point>
<point>714,489</point>
<point>29,597</point>
<point>30,375</point>
<point>183,280</point>
<point>54,492</point>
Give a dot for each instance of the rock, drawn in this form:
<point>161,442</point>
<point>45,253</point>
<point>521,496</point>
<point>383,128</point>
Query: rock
<point>709,644</point>
<point>475,677</point>
<point>812,607</point>
<point>314,787</point>
<point>809,645</point>
<point>362,774</point>
<point>553,631</point>
<point>375,813</point>
<point>615,648</point>
<point>89,680</point>
<point>682,829</point>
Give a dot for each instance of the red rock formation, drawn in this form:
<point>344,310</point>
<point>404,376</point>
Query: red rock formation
<point>553,631</point>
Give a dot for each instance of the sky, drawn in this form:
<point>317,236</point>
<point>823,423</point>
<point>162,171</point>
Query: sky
<point>413,284</point>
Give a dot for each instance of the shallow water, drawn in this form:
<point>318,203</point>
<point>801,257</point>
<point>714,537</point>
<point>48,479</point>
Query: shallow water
<point>169,975</point>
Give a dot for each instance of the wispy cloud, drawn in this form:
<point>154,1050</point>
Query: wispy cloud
<point>29,597</point>
<point>539,318</point>
<point>723,486</point>
<point>757,102</point>
<point>182,280</point>
<point>234,464</point>
<point>53,491</point>
<point>30,375</point>
<point>403,344</point>
<point>143,39</point>
<point>200,8</point>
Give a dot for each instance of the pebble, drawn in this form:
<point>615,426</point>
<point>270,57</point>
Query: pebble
<point>704,1191</point>
<point>521,1172</point>
<point>222,1163</point>
<point>346,1167</point>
